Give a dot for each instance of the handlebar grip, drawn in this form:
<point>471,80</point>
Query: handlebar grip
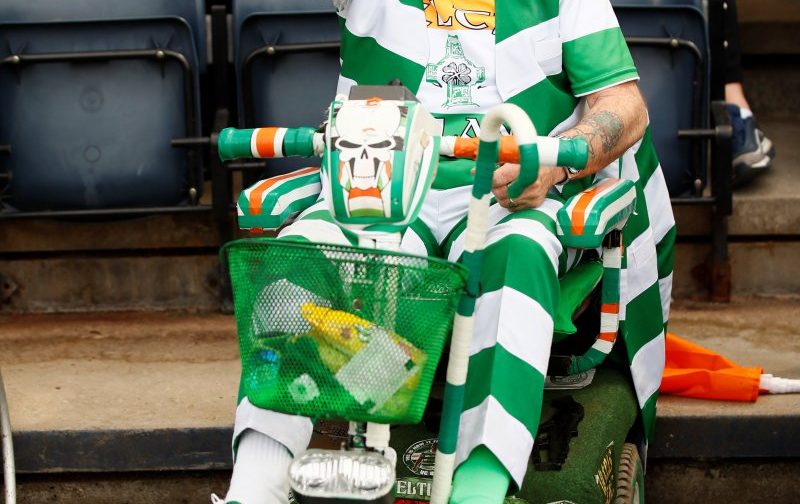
<point>573,152</point>
<point>265,143</point>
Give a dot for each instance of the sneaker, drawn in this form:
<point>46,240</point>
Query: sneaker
<point>753,152</point>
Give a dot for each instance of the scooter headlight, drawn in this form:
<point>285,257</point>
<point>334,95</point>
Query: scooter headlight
<point>357,475</point>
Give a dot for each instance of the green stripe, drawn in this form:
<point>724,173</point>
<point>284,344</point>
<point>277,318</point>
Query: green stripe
<point>587,71</point>
<point>560,104</point>
<point>639,221</point>
<point>324,215</point>
<point>610,288</point>
<point>501,374</point>
<point>666,253</point>
<point>451,415</point>
<point>523,265</point>
<point>646,158</point>
<point>514,16</point>
<point>484,168</point>
<point>426,235</point>
<point>590,360</point>
<point>369,63</point>
<point>643,320</point>
<point>649,416</point>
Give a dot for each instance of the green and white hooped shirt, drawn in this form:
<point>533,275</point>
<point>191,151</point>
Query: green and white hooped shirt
<point>461,57</point>
<point>546,55</point>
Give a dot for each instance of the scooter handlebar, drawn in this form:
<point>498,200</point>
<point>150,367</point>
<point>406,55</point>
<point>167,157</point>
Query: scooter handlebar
<point>268,143</point>
<point>572,152</point>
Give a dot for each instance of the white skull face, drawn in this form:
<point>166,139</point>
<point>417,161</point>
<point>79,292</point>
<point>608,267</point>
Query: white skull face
<point>366,139</point>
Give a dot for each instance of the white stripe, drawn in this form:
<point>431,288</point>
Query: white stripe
<point>607,86</point>
<point>300,193</point>
<point>475,233</point>
<point>316,231</point>
<point>548,151</point>
<point>608,322</point>
<point>397,27</point>
<point>647,367</point>
<point>253,145</point>
<point>584,17</point>
<point>614,208</point>
<point>549,207</point>
<point>630,170</point>
<point>659,208</point>
<point>413,244</point>
<point>598,197</point>
<point>531,229</point>
<point>458,360</point>
<point>515,321</point>
<point>277,142</point>
<point>517,56</point>
<point>442,477</point>
<point>489,424</point>
<point>447,146</point>
<point>665,288</point>
<point>344,85</point>
<point>603,346</point>
<point>272,188</point>
<point>642,269</point>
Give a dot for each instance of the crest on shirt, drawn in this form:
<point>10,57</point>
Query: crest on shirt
<point>456,73</point>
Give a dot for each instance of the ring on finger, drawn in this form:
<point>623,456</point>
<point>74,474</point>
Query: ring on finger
<point>511,202</point>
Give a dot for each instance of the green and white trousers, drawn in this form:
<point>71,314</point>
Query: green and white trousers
<point>513,320</point>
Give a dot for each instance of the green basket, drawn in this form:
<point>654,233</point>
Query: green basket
<point>334,332</point>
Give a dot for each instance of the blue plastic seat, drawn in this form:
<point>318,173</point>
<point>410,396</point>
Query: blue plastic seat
<point>96,134</point>
<point>674,79</point>
<point>287,89</point>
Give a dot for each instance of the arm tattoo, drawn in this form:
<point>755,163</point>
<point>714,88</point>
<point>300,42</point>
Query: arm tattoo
<point>605,125</point>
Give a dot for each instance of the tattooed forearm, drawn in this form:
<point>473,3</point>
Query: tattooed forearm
<point>615,120</point>
<point>608,126</point>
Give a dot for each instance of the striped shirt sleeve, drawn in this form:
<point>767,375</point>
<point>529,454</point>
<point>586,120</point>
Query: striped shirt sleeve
<point>595,53</point>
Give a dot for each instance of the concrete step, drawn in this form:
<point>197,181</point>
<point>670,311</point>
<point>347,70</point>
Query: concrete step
<point>144,402</point>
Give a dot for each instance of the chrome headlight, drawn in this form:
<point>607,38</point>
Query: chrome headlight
<point>357,475</point>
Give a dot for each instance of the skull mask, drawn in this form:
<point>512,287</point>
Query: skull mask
<point>367,139</point>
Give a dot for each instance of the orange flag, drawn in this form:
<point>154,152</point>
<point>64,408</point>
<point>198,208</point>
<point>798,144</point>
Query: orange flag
<point>695,371</point>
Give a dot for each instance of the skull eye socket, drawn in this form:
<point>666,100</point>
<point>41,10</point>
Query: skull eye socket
<point>382,145</point>
<point>344,144</point>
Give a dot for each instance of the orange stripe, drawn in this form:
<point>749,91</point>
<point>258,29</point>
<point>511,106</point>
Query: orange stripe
<point>610,308</point>
<point>468,148</point>
<point>265,142</point>
<point>579,213</point>
<point>611,337</point>
<point>256,195</point>
<point>509,152</point>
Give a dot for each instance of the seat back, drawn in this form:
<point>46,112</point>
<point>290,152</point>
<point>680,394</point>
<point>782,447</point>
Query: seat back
<point>289,88</point>
<point>96,134</point>
<point>674,80</point>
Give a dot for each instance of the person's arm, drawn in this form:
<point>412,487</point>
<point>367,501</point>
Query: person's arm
<point>615,119</point>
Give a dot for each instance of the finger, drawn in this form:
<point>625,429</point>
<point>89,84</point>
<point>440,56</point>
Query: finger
<point>504,175</point>
<point>500,192</point>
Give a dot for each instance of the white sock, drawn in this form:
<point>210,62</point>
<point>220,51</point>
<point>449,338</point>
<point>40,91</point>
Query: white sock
<point>745,113</point>
<point>261,471</point>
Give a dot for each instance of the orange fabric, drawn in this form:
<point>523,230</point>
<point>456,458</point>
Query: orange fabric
<point>468,148</point>
<point>694,371</point>
<point>257,194</point>
<point>579,213</point>
<point>265,142</point>
<point>608,336</point>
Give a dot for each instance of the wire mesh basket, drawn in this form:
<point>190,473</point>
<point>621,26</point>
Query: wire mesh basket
<point>335,332</point>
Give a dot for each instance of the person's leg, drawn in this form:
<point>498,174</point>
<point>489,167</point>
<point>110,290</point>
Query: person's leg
<point>265,441</point>
<point>510,347</point>
<point>753,152</point>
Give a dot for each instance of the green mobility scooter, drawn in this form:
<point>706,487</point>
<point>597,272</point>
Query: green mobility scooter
<point>351,336</point>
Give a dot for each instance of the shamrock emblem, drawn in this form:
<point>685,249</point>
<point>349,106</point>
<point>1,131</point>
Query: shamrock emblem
<point>456,74</point>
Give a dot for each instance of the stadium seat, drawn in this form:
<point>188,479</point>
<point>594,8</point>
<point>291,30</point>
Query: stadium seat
<point>293,86</point>
<point>92,93</point>
<point>669,42</point>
